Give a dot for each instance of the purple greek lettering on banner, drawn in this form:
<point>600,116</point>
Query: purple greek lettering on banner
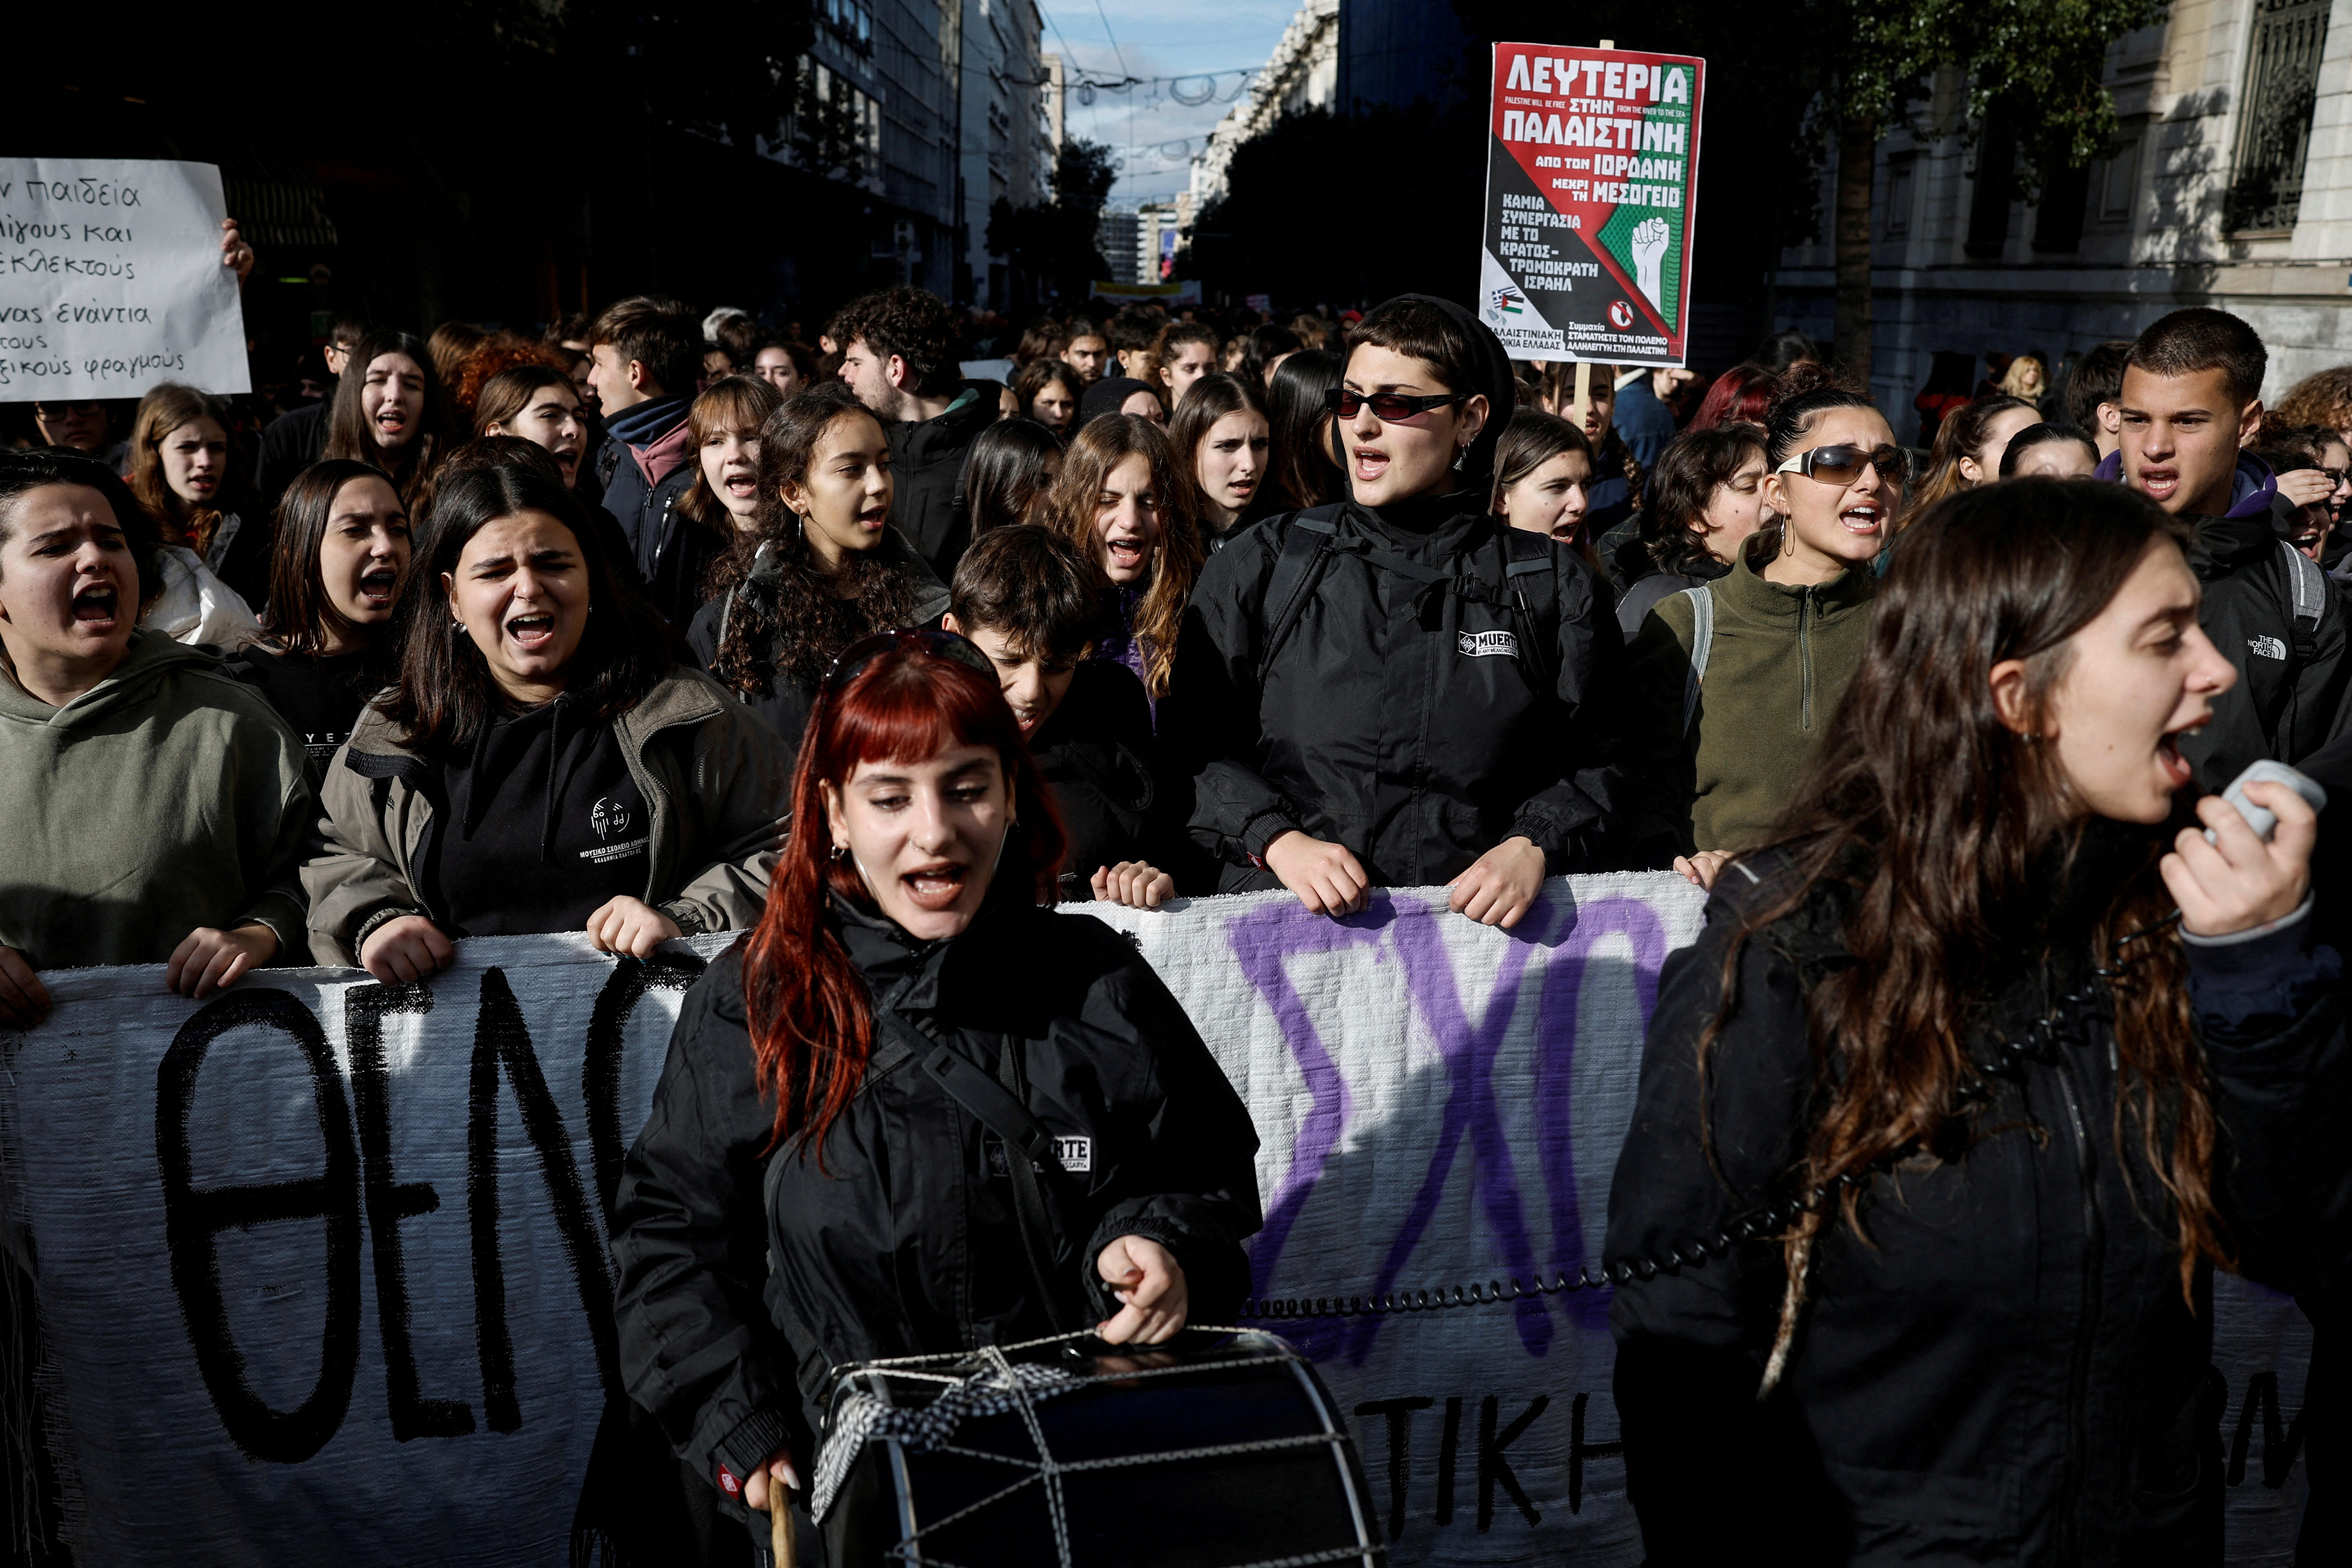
<point>1468,1052</point>
<point>1261,940</point>
<point>1556,1016</point>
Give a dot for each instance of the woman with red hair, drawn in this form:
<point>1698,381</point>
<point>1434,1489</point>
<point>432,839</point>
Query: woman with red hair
<point>821,1180</point>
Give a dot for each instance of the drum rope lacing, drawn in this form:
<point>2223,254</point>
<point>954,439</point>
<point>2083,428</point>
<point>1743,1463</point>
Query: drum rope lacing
<point>2011,1061</point>
<point>1045,1471</point>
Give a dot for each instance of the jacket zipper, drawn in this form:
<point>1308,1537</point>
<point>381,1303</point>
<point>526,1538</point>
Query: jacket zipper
<point>2078,1374</point>
<point>1805,655</point>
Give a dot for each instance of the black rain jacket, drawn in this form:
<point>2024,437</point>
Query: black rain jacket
<point>1425,704</point>
<point>2007,1372</point>
<point>2291,669</point>
<point>911,1243</point>
<point>927,461</point>
<point>669,554</point>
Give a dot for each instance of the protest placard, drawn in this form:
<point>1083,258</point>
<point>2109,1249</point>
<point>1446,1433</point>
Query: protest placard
<point>111,279</point>
<point>1592,159</point>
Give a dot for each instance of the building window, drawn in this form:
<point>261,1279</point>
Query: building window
<point>2118,182</point>
<point>1900,177</point>
<point>852,22</point>
<point>2274,108</point>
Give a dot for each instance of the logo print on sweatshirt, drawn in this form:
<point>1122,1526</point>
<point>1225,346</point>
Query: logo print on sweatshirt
<point>608,817</point>
<point>2268,648</point>
<point>1489,645</point>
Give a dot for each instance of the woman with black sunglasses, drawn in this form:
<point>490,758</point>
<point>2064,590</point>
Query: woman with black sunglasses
<point>1400,689</point>
<point>1733,681</point>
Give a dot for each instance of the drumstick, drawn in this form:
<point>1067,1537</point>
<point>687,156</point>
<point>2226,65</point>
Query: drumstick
<point>779,1523</point>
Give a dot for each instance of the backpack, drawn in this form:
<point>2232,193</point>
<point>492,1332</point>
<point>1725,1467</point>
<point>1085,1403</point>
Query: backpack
<point>1702,598</point>
<point>1314,536</point>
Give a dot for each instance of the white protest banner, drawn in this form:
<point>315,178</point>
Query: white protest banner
<point>111,279</point>
<point>323,1261</point>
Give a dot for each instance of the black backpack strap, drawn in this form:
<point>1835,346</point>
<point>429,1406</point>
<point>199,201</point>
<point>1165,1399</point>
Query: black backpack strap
<point>1305,545</point>
<point>1532,566</point>
<point>1031,1156</point>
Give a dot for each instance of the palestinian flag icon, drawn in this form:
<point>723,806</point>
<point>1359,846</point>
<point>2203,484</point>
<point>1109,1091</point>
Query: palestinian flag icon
<point>1592,157</point>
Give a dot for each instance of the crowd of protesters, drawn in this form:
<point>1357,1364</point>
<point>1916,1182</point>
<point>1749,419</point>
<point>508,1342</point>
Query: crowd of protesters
<point>657,623</point>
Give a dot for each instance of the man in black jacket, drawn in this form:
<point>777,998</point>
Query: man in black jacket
<point>639,350</point>
<point>898,355</point>
<point>2191,398</point>
<point>295,439</point>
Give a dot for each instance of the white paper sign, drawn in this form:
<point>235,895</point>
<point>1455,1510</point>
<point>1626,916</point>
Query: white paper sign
<point>111,279</point>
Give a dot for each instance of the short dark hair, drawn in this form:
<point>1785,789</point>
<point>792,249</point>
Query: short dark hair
<point>23,472</point>
<point>914,324</point>
<point>2034,436</point>
<point>1683,484</point>
<point>1031,586</point>
<point>1081,326</point>
<point>2199,339</point>
<point>445,694</point>
<point>1417,329</point>
<point>349,327</point>
<point>1136,327</point>
<point>2097,377</point>
<point>660,334</point>
<point>740,337</point>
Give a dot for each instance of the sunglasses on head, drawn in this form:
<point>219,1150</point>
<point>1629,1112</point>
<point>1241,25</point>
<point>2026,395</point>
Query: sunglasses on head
<point>1389,406</point>
<point>853,659</point>
<point>1844,465</point>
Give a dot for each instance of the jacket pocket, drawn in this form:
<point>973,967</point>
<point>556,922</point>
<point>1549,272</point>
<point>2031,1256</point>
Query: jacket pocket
<point>1902,1516</point>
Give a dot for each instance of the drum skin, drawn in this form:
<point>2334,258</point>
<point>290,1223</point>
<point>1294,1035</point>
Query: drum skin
<point>1216,1458</point>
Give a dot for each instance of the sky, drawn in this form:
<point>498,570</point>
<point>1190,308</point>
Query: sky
<point>1156,38</point>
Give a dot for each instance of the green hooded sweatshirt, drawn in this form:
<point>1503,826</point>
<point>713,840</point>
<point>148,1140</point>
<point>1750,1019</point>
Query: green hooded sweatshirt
<point>1778,662</point>
<point>166,797</point>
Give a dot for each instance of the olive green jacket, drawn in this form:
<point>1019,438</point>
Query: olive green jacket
<point>1777,663</point>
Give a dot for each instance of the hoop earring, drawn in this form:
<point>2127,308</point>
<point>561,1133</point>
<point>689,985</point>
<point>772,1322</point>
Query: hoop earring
<point>457,626</point>
<point>837,851</point>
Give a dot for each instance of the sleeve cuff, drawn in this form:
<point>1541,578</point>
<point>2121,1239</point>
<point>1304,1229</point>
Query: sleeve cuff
<point>755,1437</point>
<point>1264,829</point>
<point>2286,926</point>
<point>686,917</point>
<point>376,921</point>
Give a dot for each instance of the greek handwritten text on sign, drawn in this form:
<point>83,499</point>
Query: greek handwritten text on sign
<point>111,279</point>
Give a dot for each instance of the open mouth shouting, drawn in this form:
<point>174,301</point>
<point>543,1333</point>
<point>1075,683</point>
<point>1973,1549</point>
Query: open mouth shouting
<point>95,608</point>
<point>391,425</point>
<point>741,483</point>
<point>567,459</point>
<point>2169,760</point>
<point>531,632</point>
<point>1370,463</point>
<point>937,886</point>
<point>2159,481</point>
<point>379,587</point>
<point>1864,517</point>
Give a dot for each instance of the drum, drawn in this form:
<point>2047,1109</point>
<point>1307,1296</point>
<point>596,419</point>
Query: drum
<point>1225,1452</point>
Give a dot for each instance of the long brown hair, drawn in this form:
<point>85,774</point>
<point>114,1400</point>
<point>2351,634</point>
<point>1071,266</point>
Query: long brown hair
<point>798,614</point>
<point>810,1021</point>
<point>347,429</point>
<point>732,402</point>
<point>164,409</point>
<point>1933,826</point>
<point>1107,441</point>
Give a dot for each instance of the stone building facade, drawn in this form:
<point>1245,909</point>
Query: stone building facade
<point>2230,184</point>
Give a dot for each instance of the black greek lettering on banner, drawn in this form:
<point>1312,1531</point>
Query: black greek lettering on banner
<point>388,1203</point>
<point>193,1219</point>
<point>600,1070</point>
<point>1492,1467</point>
<point>1400,1420</point>
<point>502,1044</point>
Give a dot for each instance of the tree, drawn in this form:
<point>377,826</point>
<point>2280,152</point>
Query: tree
<point>1051,245</point>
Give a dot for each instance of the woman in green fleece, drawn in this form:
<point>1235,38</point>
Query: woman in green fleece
<point>1732,683</point>
<point>156,808</point>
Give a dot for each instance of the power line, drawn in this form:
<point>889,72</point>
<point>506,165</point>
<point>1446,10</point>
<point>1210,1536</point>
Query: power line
<point>1115,53</point>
